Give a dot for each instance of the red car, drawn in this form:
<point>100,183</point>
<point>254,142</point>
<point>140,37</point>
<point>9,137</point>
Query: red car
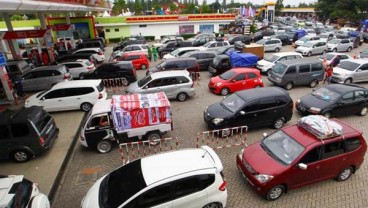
<point>234,80</point>
<point>139,60</point>
<point>293,157</point>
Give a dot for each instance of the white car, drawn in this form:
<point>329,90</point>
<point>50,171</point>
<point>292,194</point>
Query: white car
<point>213,45</point>
<point>135,48</point>
<point>336,45</point>
<point>71,95</point>
<point>330,56</point>
<point>183,178</point>
<point>350,71</point>
<point>271,44</point>
<point>17,191</point>
<point>312,47</point>
<point>268,62</point>
<point>180,51</point>
<point>97,53</point>
<point>305,39</point>
<point>78,66</point>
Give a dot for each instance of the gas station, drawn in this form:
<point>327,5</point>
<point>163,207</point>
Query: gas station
<point>42,39</point>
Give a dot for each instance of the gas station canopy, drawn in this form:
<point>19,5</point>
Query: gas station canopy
<point>54,5</point>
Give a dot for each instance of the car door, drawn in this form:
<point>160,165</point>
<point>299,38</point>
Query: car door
<point>333,159</point>
<point>53,100</point>
<point>268,111</point>
<point>5,141</point>
<point>29,81</point>
<point>247,116</point>
<point>153,86</point>
<point>95,132</point>
<point>238,82</point>
<point>188,192</point>
<point>169,87</point>
<point>268,45</point>
<point>303,77</point>
<point>251,81</point>
<point>345,105</point>
<point>201,60</point>
<point>361,74</point>
<point>343,45</point>
<point>74,97</point>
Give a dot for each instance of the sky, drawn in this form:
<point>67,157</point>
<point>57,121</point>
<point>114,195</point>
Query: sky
<point>286,2</point>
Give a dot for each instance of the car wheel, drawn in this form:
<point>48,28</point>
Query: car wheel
<point>213,205</point>
<point>124,81</point>
<point>313,83</point>
<point>309,54</point>
<point>334,50</point>
<point>363,111</point>
<point>224,91</point>
<point>143,67</point>
<point>348,81</point>
<point>275,193</point>
<point>289,85</point>
<point>279,123</point>
<point>182,96</point>
<point>327,115</point>
<point>349,49</point>
<point>345,174</point>
<point>153,138</point>
<point>20,156</point>
<point>104,146</point>
<point>277,50</point>
<point>86,107</point>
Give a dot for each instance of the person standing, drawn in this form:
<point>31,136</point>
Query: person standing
<point>335,61</point>
<point>149,53</point>
<point>154,53</point>
<point>329,72</point>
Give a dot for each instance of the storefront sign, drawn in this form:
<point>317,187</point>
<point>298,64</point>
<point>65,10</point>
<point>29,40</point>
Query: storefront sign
<point>183,18</point>
<point>12,35</point>
<point>62,27</point>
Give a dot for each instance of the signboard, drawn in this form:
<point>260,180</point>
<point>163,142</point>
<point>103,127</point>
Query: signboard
<point>61,27</point>
<point>12,35</point>
<point>2,60</point>
<point>186,29</point>
<point>183,18</point>
<point>206,28</point>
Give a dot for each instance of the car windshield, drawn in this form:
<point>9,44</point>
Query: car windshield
<point>365,51</point>
<point>326,94</point>
<point>41,93</point>
<point>144,81</point>
<point>227,75</point>
<point>282,147</point>
<point>221,50</point>
<point>279,68</point>
<point>216,61</point>
<point>334,41</point>
<point>207,44</point>
<point>327,56</point>
<point>160,65</point>
<point>305,38</point>
<point>308,44</point>
<point>22,194</point>
<point>272,58</point>
<point>121,184</point>
<point>233,103</point>
<point>348,65</point>
<point>261,41</point>
<point>323,36</point>
<point>164,40</point>
<point>175,52</point>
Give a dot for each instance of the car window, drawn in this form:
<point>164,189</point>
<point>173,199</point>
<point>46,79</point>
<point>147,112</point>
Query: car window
<point>317,67</point>
<point>252,75</point>
<point>55,94</point>
<point>348,97</point>
<point>136,48</point>
<point>333,149</point>
<point>212,45</point>
<point>210,55</point>
<point>364,67</point>
<point>4,132</point>
<point>191,64</point>
<point>181,64</point>
<point>186,186</point>
<point>304,68</point>
<point>155,83</point>
<point>252,106</point>
<point>30,75</point>
<point>171,65</point>
<point>153,197</point>
<point>78,91</point>
<point>291,70</point>
<point>239,77</point>
<point>182,79</point>
<point>352,144</point>
<point>343,57</point>
<point>19,130</point>
<point>311,156</point>
<point>360,95</point>
<point>265,103</point>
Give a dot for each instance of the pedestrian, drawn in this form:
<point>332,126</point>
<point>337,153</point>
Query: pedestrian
<point>325,63</point>
<point>329,72</point>
<point>149,53</point>
<point>335,61</point>
<point>18,85</point>
<point>154,53</point>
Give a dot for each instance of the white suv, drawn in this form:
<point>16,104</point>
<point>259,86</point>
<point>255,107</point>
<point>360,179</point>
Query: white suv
<point>305,39</point>
<point>78,66</point>
<point>312,47</point>
<point>335,45</point>
<point>271,44</point>
<point>16,191</point>
<point>97,53</point>
<point>181,179</point>
<point>268,62</point>
<point>136,48</point>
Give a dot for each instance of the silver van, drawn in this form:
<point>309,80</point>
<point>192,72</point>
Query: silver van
<point>289,73</point>
<point>312,47</point>
<point>175,84</point>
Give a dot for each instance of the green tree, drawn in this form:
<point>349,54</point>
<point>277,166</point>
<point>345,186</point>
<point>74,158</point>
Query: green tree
<point>279,5</point>
<point>137,7</point>
<point>119,5</point>
<point>16,17</point>
<point>173,7</point>
<point>204,8</point>
<point>350,10</point>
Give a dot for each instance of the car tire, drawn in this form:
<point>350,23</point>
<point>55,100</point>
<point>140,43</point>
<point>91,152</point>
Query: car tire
<point>224,91</point>
<point>275,192</point>
<point>86,107</point>
<point>153,137</point>
<point>182,96</point>
<point>345,174</point>
<point>278,123</point>
<point>277,50</point>
<point>104,146</point>
<point>349,49</point>
<point>327,114</point>
<point>289,86</point>
<point>309,54</point>
<point>313,83</point>
<point>213,205</point>
<point>334,50</point>
<point>20,156</point>
<point>143,67</point>
<point>363,111</point>
<point>348,81</point>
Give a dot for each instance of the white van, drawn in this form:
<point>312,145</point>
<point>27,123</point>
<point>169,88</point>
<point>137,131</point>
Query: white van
<point>180,51</point>
<point>71,95</point>
<point>267,63</point>
<point>305,39</point>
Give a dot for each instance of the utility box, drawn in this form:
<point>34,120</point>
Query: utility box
<point>256,49</point>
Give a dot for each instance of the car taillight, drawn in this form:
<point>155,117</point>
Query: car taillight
<point>100,53</point>
<point>192,85</point>
<point>100,96</point>
<point>66,76</point>
<point>223,185</point>
<point>90,67</point>
<point>42,141</point>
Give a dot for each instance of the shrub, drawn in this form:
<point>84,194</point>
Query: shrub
<point>150,38</point>
<point>187,36</point>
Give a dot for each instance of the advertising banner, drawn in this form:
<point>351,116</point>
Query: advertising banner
<point>186,29</point>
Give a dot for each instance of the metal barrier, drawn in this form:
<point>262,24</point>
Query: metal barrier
<point>117,85</point>
<point>135,150</point>
<point>221,138</point>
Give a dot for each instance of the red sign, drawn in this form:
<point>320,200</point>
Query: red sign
<point>11,35</point>
<point>183,18</point>
<point>60,27</point>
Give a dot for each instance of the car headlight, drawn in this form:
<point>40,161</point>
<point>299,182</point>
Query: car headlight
<point>218,84</point>
<point>217,120</point>
<point>263,178</point>
<point>314,110</point>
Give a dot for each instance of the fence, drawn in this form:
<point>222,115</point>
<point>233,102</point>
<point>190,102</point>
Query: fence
<point>222,138</point>
<point>115,86</point>
<point>135,150</point>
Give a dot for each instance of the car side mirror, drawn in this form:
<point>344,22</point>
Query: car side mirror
<point>359,70</point>
<point>302,166</point>
<point>43,98</point>
<point>264,134</point>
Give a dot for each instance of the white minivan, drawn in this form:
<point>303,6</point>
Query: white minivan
<point>183,178</point>
<point>71,95</point>
<point>268,62</point>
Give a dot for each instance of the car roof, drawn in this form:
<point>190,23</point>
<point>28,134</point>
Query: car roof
<point>74,61</point>
<point>199,52</point>
<point>87,49</point>
<point>101,106</point>
<point>21,115</point>
<point>261,92</point>
<point>6,183</point>
<point>172,73</point>
<point>187,48</point>
<point>243,69</point>
<point>137,45</point>
<point>77,83</point>
<point>286,53</point>
<point>180,59</point>
<point>170,164</point>
<point>359,61</point>
<point>344,88</point>
<point>41,68</point>
<point>301,61</point>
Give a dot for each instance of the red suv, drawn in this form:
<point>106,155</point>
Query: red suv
<point>234,80</point>
<point>293,157</point>
<point>139,60</point>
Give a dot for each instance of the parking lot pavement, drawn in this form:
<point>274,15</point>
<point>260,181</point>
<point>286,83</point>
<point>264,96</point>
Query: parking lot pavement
<point>86,165</point>
<point>43,169</point>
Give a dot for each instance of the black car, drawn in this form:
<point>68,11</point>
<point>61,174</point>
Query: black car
<point>181,63</point>
<point>204,58</point>
<point>267,106</point>
<point>284,39</point>
<point>171,46</point>
<point>224,49</point>
<point>123,70</point>
<point>260,34</point>
<point>202,40</point>
<point>292,35</point>
<point>243,38</point>
<point>335,100</point>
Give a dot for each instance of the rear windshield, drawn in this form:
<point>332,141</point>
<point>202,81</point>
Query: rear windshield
<point>348,65</point>
<point>100,87</point>
<point>121,184</point>
<point>42,121</point>
<point>22,194</point>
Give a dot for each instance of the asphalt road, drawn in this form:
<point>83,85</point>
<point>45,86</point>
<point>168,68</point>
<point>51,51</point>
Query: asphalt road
<point>86,165</point>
